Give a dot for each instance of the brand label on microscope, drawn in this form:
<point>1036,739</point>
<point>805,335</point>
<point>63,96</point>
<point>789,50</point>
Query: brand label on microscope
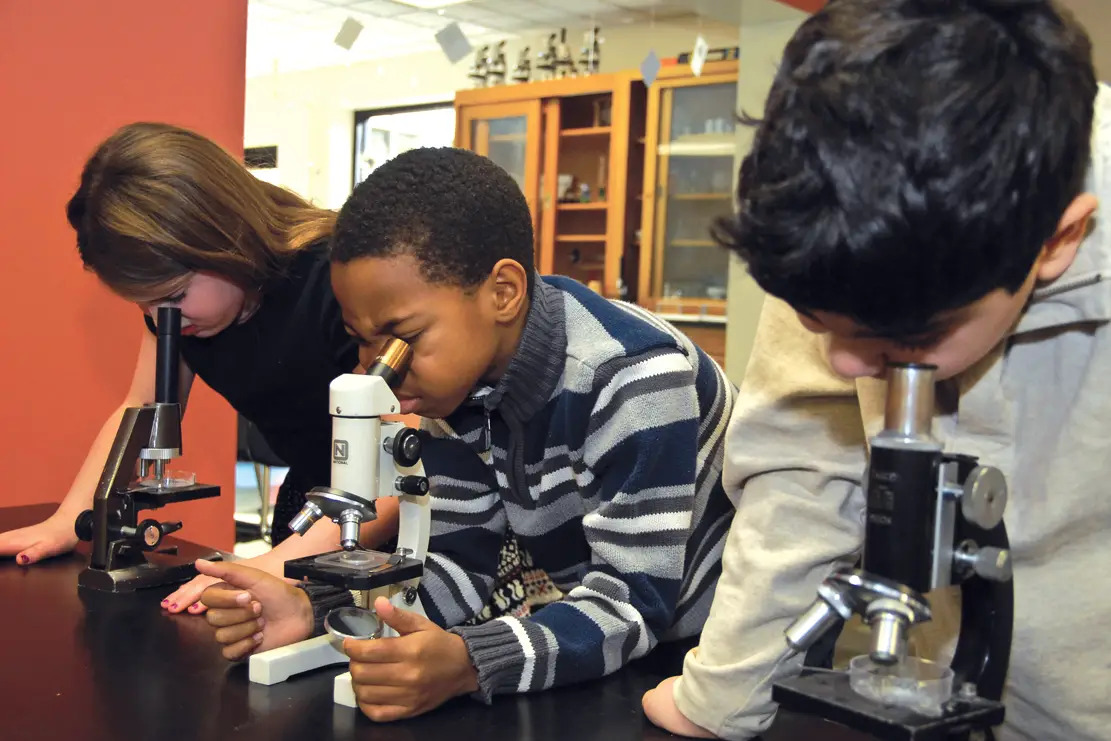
<point>339,451</point>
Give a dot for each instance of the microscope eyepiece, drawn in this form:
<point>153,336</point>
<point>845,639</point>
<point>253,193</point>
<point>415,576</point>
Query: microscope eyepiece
<point>167,388</point>
<point>392,362</point>
<point>910,399</point>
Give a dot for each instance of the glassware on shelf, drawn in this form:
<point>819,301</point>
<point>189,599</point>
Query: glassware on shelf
<point>694,178</point>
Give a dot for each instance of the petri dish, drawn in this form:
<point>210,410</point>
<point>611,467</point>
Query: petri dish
<point>170,480</point>
<point>916,684</point>
<point>358,560</point>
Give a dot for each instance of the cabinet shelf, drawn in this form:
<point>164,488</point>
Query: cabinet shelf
<point>590,206</point>
<point>691,308</point>
<point>588,131</point>
<point>700,145</point>
<point>508,137</point>
<point>580,238</point>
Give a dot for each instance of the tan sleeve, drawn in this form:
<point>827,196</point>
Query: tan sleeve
<point>795,456</point>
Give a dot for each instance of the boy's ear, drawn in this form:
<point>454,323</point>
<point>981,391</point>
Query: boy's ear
<point>1060,251</point>
<point>509,289</point>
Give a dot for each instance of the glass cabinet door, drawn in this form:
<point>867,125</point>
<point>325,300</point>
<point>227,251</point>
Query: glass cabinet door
<point>509,134</point>
<point>504,140</point>
<point>693,187</point>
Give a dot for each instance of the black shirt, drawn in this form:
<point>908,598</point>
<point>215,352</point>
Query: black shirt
<point>275,368</point>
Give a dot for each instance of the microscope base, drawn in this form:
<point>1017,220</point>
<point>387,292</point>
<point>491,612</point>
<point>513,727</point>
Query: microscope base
<point>159,570</point>
<point>343,692</point>
<point>279,664</point>
<point>830,696</point>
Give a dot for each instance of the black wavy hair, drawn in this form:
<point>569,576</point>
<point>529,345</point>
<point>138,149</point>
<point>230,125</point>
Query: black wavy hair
<point>454,211</point>
<point>914,156</point>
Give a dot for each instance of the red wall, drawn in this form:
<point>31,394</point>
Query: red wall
<point>72,71</point>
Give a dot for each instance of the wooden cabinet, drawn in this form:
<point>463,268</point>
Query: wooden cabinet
<point>689,162</point>
<point>574,147</point>
<point>509,134</point>
<point>624,183</point>
<point>708,335</point>
<point>688,183</point>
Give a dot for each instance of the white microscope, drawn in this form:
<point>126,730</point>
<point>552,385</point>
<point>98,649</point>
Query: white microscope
<point>370,459</point>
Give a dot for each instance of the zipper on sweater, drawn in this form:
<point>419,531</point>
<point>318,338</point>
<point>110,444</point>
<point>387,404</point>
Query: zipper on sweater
<point>487,432</point>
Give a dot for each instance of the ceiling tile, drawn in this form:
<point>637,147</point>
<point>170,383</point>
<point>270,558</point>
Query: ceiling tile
<point>378,8</point>
<point>296,6</point>
<point>424,20</point>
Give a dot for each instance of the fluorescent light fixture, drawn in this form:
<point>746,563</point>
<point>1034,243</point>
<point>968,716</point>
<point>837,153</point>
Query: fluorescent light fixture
<point>429,4</point>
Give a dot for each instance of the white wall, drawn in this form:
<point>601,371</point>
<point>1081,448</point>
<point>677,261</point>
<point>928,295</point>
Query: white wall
<point>762,46</point>
<point>1093,14</point>
<point>309,115</point>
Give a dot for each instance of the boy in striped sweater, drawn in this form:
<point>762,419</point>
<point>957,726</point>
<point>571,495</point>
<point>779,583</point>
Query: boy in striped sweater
<point>589,428</point>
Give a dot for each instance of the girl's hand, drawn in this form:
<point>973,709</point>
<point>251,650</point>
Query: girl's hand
<point>51,537</point>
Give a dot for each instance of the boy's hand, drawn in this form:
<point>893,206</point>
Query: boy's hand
<point>424,667</point>
<point>51,537</point>
<point>659,706</point>
<point>253,610</point>
<point>188,595</point>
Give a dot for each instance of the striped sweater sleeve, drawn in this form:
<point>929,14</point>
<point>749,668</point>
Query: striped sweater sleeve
<point>467,530</point>
<point>640,452</point>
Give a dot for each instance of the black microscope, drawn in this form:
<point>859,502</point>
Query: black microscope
<point>125,553</point>
<point>932,520</point>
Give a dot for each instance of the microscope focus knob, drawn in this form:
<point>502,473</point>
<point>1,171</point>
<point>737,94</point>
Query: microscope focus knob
<point>992,564</point>
<point>985,497</point>
<point>149,533</point>
<point>84,525</point>
<point>405,447</point>
<point>417,485</point>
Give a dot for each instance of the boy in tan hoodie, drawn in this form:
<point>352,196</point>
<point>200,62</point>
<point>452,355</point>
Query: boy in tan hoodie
<point>923,188</point>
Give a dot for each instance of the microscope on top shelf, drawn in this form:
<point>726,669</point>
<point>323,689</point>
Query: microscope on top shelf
<point>370,459</point>
<point>136,478</point>
<point>933,520</point>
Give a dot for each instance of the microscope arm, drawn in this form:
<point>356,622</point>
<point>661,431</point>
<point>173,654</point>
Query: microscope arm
<point>413,531</point>
<point>119,470</point>
<point>983,652</point>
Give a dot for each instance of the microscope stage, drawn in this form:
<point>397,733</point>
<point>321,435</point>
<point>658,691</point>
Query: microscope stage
<point>153,498</point>
<point>829,695</point>
<point>352,578</point>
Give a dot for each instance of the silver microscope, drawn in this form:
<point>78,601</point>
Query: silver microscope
<point>933,520</point>
<point>370,459</point>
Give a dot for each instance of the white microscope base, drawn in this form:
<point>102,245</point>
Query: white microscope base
<point>343,692</point>
<point>279,664</point>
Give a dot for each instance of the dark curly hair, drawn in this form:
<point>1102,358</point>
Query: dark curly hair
<point>456,212</point>
<point>914,156</point>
